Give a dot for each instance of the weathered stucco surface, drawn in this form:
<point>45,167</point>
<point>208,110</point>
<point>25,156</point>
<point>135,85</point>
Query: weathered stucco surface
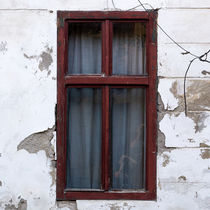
<point>28,46</point>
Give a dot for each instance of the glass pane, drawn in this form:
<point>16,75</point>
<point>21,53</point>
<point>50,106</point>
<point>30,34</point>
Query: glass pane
<point>84,138</point>
<point>129,48</point>
<point>127,138</point>
<point>84,50</point>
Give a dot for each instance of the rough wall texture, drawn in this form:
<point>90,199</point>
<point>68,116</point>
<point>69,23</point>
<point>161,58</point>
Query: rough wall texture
<point>28,97</point>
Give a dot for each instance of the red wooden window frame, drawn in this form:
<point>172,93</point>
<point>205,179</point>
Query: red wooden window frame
<point>106,81</point>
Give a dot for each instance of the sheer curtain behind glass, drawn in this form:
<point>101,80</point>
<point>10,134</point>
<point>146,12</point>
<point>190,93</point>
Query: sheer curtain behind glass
<point>129,49</point>
<point>128,138</point>
<point>84,138</point>
<point>84,52</point>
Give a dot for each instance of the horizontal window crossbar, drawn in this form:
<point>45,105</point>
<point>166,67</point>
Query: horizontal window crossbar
<point>106,80</point>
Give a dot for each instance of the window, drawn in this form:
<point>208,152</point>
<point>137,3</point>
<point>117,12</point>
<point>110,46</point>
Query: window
<point>106,111</point>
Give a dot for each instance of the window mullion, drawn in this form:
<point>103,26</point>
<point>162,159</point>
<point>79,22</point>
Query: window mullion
<point>107,47</point>
<point>105,139</point>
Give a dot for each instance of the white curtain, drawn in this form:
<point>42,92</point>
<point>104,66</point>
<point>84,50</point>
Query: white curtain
<point>127,116</point>
<point>84,54</point>
<point>129,51</point>
<point>128,138</point>
<point>84,138</point>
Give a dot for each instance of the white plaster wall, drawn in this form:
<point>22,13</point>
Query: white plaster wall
<point>28,97</point>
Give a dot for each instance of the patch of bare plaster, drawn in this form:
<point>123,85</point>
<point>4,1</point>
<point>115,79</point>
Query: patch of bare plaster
<point>204,72</point>
<point>174,91</point>
<point>3,47</point>
<point>45,59</point>
<point>182,178</point>
<point>205,153</point>
<point>72,205</point>
<point>22,205</point>
<point>198,119</point>
<point>159,185</point>
<point>115,206</point>
<point>204,145</point>
<point>160,103</point>
<point>166,160</point>
<point>39,141</point>
<point>53,171</point>
<point>161,142</point>
<point>161,136</point>
<point>198,95</point>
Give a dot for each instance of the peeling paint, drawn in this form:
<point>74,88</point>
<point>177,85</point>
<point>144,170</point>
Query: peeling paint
<point>3,47</point>
<point>197,93</point>
<point>204,72</point>
<point>166,160</point>
<point>204,145</point>
<point>39,141</point>
<point>198,119</point>
<point>22,205</point>
<point>29,57</point>
<point>159,185</point>
<point>45,59</point>
<point>115,206</point>
<point>205,153</point>
<point>175,91</point>
<point>71,205</point>
<point>182,178</point>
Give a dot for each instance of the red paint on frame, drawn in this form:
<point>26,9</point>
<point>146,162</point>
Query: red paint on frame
<point>106,81</point>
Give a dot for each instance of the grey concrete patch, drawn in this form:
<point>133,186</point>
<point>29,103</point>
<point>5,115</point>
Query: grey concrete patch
<point>46,60</point>
<point>39,141</point>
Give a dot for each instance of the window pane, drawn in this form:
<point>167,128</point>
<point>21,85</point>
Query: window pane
<point>84,138</point>
<point>84,50</point>
<point>127,138</point>
<point>129,50</point>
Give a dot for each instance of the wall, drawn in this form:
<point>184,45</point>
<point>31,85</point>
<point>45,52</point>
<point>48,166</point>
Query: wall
<point>28,97</point>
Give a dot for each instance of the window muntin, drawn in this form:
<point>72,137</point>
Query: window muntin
<point>108,81</point>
